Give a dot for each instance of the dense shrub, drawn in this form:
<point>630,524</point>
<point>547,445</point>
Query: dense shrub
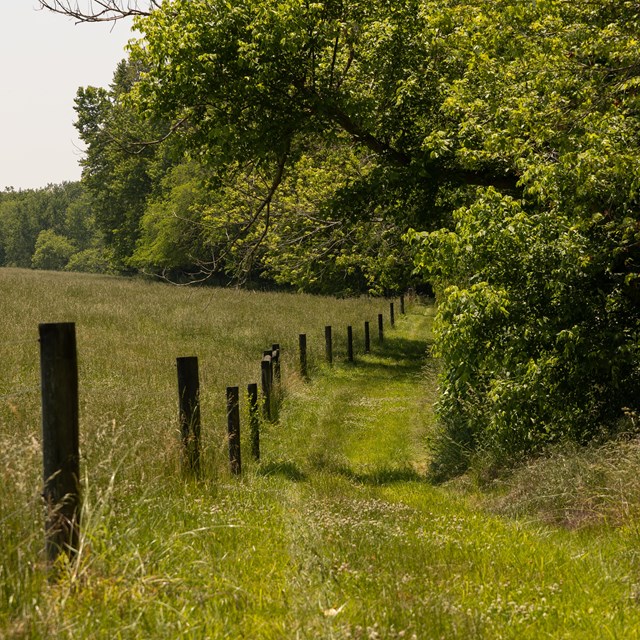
<point>89,261</point>
<point>537,330</point>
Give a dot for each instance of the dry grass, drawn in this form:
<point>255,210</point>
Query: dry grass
<point>574,487</point>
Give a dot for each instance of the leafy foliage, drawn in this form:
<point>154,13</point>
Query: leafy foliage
<point>167,208</point>
<point>318,244</point>
<point>538,339</point>
<point>538,320</point>
<point>256,95</point>
<point>43,228</point>
<point>52,251</point>
<point>119,169</point>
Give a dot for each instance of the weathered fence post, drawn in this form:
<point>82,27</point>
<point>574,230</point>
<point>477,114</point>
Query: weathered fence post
<point>275,359</point>
<point>233,429</point>
<point>60,438</point>
<point>380,328</point>
<point>302,341</point>
<point>254,420</point>
<point>367,338</point>
<point>189,410</point>
<point>267,380</point>
<point>350,343</point>
<point>392,315</point>
<point>328,344</point>
<point>402,304</point>
<point>268,353</point>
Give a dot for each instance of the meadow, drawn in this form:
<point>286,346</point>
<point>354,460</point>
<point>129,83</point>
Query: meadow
<point>129,333</point>
<point>335,533</point>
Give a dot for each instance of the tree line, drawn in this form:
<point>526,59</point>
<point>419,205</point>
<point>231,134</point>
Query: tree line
<point>51,228</point>
<point>489,148</point>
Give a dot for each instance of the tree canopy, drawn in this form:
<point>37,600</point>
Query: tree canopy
<point>253,80</point>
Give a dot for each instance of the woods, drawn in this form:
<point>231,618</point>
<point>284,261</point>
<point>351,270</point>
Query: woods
<point>51,228</point>
<point>490,149</point>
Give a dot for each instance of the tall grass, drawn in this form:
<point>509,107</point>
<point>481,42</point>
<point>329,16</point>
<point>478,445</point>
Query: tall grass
<point>129,334</point>
<point>596,487</point>
<point>335,534</point>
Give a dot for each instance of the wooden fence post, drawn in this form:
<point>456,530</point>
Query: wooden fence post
<point>275,359</point>
<point>302,341</point>
<point>367,338</point>
<point>254,420</point>
<point>350,343</point>
<point>380,328</point>
<point>392,316</point>
<point>268,353</point>
<point>189,410</point>
<point>328,344</point>
<point>402,305</point>
<point>233,429</point>
<point>60,438</point>
<point>267,377</point>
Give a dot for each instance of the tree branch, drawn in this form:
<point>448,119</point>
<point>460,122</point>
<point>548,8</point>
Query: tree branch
<point>266,202</point>
<point>440,172</point>
<point>345,122</point>
<point>99,10</point>
<point>263,208</point>
<point>142,145</point>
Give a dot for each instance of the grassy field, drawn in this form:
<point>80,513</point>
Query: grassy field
<point>334,534</point>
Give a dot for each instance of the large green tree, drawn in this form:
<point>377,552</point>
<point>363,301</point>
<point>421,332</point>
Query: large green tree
<point>123,164</point>
<point>136,206</point>
<point>251,89</point>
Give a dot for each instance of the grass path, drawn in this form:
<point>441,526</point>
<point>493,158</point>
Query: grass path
<point>379,553</point>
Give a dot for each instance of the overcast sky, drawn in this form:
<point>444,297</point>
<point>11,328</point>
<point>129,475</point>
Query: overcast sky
<point>45,58</point>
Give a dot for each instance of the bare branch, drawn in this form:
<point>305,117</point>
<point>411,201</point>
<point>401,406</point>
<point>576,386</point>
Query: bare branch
<point>266,202</point>
<point>347,66</point>
<point>144,144</point>
<point>334,57</point>
<point>263,210</point>
<point>100,10</point>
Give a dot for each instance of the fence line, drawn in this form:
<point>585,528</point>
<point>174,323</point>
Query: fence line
<point>60,419</point>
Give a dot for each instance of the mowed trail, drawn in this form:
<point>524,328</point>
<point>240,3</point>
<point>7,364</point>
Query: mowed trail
<point>374,551</point>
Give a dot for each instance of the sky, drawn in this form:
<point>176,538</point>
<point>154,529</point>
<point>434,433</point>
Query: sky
<point>44,59</point>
